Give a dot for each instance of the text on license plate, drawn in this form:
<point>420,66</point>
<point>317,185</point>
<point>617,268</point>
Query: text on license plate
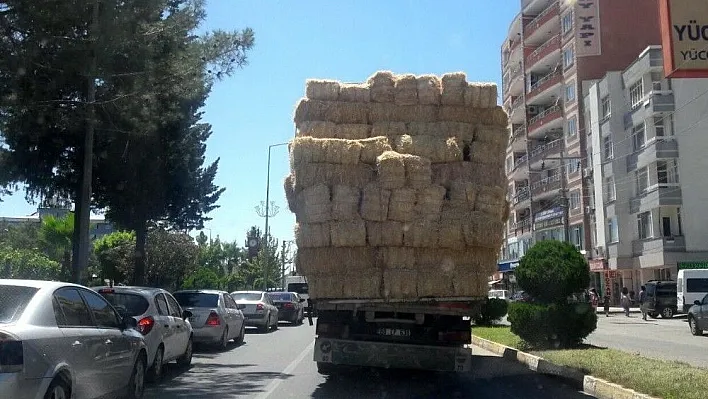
<point>394,332</point>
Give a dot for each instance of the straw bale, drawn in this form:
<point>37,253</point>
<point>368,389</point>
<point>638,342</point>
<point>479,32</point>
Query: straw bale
<point>415,113</point>
<point>363,286</point>
<point>372,147</point>
<point>464,191</point>
<point>418,171</point>
<point>481,95</point>
<point>331,111</point>
<point>400,284</point>
<point>401,206</point>
<point>494,135</point>
<point>447,261</point>
<point>461,130</point>
<point>382,112</point>
<point>453,88</point>
<point>391,170</point>
<point>345,202</point>
<point>478,260</point>
<point>338,261</point>
<point>310,174</point>
<point>406,90</point>
<point>313,204</point>
<point>492,201</point>
<point>489,116</point>
<point>429,90</point>
<point>388,129</point>
<point>507,210</point>
<point>374,203</point>
<point>420,233</point>
<point>424,129</point>
<point>455,211</point>
<point>489,154</point>
<point>312,235</point>
<point>352,113</point>
<point>429,200</point>
<point>350,131</point>
<point>483,230</point>
<point>472,95</point>
<point>307,150</point>
<point>450,235</point>
<point>436,149</point>
<point>476,173</point>
<point>396,257</point>
<point>340,151</point>
<point>384,234</point>
<point>289,186</point>
<point>327,90</point>
<point>431,284</point>
<point>470,285</point>
<point>382,87</point>
<point>316,129</point>
<point>354,93</point>
<point>325,287</point>
<point>350,233</point>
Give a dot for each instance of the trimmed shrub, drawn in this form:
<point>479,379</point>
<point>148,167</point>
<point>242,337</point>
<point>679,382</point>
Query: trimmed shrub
<point>492,310</point>
<point>554,325</point>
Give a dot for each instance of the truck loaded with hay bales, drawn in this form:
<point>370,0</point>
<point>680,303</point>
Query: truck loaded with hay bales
<point>399,194</point>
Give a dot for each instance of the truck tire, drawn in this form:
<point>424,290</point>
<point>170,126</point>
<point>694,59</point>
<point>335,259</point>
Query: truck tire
<point>327,368</point>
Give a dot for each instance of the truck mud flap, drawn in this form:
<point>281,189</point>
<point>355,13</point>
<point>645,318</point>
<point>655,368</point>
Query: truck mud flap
<point>391,355</point>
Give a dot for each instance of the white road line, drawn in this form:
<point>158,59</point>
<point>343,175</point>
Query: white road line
<point>291,367</point>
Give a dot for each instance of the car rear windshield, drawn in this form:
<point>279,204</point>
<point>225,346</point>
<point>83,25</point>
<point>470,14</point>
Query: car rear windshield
<point>281,296</point>
<point>246,296</point>
<point>13,301</point>
<point>300,288</point>
<point>131,304</point>
<point>197,300</point>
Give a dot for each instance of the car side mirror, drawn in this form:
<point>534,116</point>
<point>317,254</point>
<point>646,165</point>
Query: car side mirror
<point>697,302</point>
<point>240,306</point>
<point>186,314</point>
<point>129,322</point>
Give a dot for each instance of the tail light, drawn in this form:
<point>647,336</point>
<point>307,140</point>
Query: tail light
<point>11,354</point>
<point>213,319</point>
<point>145,325</point>
<point>288,305</point>
<point>259,306</point>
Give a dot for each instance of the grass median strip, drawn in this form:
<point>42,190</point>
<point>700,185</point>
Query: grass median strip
<point>665,379</point>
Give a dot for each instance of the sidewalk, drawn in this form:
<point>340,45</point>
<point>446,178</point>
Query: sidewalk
<point>617,309</point>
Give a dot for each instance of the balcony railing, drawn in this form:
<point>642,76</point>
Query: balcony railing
<point>658,244</point>
<point>544,114</point>
<point>540,51</point>
<point>553,146</point>
<point>544,83</point>
<point>541,19</point>
<point>519,132</point>
<point>521,196</point>
<point>521,161</point>
<point>517,102</point>
<point>521,224</point>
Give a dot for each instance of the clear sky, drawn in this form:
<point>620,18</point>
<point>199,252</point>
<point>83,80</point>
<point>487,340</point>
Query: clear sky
<point>347,40</point>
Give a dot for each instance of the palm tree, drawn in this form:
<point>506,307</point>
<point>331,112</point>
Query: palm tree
<point>55,235</point>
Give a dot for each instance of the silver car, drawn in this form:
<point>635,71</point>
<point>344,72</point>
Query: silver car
<point>259,309</point>
<point>215,319</point>
<point>160,320</point>
<point>61,340</point>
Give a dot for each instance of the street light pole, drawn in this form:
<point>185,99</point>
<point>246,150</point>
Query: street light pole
<point>267,216</point>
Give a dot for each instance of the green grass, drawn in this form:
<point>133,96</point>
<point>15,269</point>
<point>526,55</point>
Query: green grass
<point>665,379</point>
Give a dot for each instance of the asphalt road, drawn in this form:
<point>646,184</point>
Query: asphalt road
<point>279,365</point>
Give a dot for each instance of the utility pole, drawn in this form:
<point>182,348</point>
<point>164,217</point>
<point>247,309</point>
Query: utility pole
<point>282,266</point>
<point>564,192</point>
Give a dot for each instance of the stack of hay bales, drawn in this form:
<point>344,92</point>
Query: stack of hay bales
<point>398,186</point>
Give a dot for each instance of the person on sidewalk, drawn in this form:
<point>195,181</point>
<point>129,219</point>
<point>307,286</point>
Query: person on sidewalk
<point>625,302</point>
<point>642,302</point>
<point>607,305</point>
<point>594,299</point>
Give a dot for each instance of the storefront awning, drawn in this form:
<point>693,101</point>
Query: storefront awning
<point>507,266</point>
<point>494,282</point>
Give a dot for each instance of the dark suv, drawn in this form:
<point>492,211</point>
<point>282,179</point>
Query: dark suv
<point>661,298</point>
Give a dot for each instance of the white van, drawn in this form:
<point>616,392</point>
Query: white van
<point>298,285</point>
<point>691,285</point>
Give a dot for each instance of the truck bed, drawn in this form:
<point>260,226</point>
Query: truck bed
<point>454,306</point>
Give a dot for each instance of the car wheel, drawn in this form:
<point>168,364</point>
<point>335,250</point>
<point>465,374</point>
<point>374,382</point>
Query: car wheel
<point>264,328</point>
<point>185,360</point>
<point>136,385</point>
<point>58,389</point>
<point>653,315</point>
<point>667,313</point>
<point>224,342</point>
<point>327,368</point>
<point>154,373</point>
<point>694,327</point>
<point>275,324</point>
<point>242,335</point>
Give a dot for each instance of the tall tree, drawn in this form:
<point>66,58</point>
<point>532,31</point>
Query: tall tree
<point>56,234</point>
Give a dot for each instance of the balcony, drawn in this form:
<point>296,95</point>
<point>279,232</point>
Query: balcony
<point>547,185</point>
<point>512,80</point>
<point>520,227</point>
<point>544,150</point>
<point>550,47</point>
<point>522,198</point>
<point>521,165</point>
<point>655,149</point>
<point>661,244</point>
<point>656,196</point>
<point>551,117</point>
<point>517,139</point>
<point>517,112</point>
<point>532,29</point>
<point>654,102</point>
<point>511,54</point>
<point>549,84</point>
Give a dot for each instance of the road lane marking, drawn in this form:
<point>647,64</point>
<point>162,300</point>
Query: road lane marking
<point>291,367</point>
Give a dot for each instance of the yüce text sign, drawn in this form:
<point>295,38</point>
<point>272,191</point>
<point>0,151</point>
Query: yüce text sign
<point>685,37</point>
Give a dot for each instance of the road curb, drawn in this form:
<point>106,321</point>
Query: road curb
<point>594,386</point>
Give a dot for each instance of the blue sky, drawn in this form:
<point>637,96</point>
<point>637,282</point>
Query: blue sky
<point>345,40</point>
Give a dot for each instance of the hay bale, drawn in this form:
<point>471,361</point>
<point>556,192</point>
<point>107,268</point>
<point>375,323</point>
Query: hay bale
<point>431,284</point>
<point>472,95</point>
<point>374,203</point>
<point>429,90</point>
<point>384,234</point>
<point>331,111</point>
<point>450,235</point>
<point>488,154</point>
<point>436,149</point>
<point>488,95</point>
<point>406,90</point>
<point>455,211</point>
<point>338,151</point>
<point>418,171</point>
<point>423,129</point>
<point>312,235</point>
<point>329,261</point>
<point>460,130</point>
<point>290,196</point>
<point>307,150</point>
<point>316,129</point>
<point>453,88</point>
<point>401,206</point>
<point>396,258</point>
<point>345,202</point>
<point>382,112</point>
<point>495,135</point>
<point>470,285</point>
<point>325,287</point>
<point>354,93</point>
<point>492,201</point>
<point>420,233</point>
<point>428,202</point>
<point>349,233</point>
<point>476,173</point>
<point>313,205</point>
<point>372,147</point>
<point>388,129</point>
<point>310,174</point>
<point>327,90</point>
<point>362,286</point>
<point>382,87</point>
<point>478,260</point>
<point>400,284</point>
<point>464,191</point>
<point>415,113</point>
<point>483,230</point>
<point>351,131</point>
<point>391,170</point>
<point>352,113</point>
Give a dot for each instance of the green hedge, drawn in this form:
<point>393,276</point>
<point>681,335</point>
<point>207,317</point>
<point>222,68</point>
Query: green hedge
<point>492,310</point>
<point>552,325</point>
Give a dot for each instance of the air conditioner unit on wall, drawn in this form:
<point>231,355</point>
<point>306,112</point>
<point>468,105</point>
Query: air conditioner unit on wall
<point>533,109</point>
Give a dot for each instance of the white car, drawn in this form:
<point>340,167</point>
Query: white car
<point>161,321</point>
<point>216,318</point>
<point>259,309</point>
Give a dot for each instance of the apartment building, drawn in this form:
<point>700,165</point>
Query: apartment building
<point>646,145</point>
<point>552,46</point>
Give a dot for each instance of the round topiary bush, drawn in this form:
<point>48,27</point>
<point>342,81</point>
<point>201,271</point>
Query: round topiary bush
<point>552,325</point>
<point>492,310</point>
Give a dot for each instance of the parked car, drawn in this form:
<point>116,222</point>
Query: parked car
<point>698,316</point>
<point>259,309</point>
<point>61,340</point>
<point>161,321</point>
<point>661,298</point>
<point>215,319</point>
<point>290,306</point>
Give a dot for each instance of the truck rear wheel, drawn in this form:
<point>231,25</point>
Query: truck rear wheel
<point>327,368</point>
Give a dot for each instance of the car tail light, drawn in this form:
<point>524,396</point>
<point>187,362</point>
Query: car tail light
<point>259,306</point>
<point>11,354</point>
<point>145,325</point>
<point>213,319</point>
<point>288,305</point>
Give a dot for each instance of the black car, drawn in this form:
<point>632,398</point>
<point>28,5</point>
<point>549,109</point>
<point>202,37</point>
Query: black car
<point>290,306</point>
<point>661,298</point>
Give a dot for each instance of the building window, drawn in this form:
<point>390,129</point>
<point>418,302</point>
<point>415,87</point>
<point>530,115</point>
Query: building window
<point>610,188</point>
<point>680,225</point>
<point>573,167</point>
<point>612,229</point>
<point>570,92</point>
<point>608,147</point>
<point>605,106</point>
<point>509,164</point>
<point>667,172</point>
<point>662,125</point>
<point>638,137</point>
<point>576,236</point>
<point>656,81</point>
<point>568,57</point>
<point>636,93</point>
<point>567,23</point>
<point>644,226</point>
<point>575,200</point>
<point>642,181</point>
<point>572,126</point>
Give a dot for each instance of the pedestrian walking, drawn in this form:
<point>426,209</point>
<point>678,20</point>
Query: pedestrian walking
<point>607,305</point>
<point>625,302</point>
<point>643,302</point>
<point>594,299</point>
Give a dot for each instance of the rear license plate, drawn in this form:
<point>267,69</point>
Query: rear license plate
<point>394,332</point>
